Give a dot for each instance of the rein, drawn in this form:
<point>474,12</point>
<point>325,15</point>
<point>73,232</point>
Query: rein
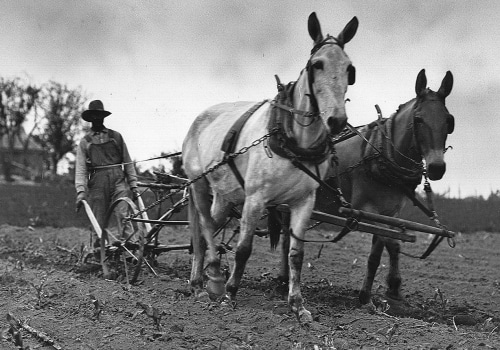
<point>136,161</point>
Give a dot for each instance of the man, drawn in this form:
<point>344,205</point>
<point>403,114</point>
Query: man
<point>103,169</point>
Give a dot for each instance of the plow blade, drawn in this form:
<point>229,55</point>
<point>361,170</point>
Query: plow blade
<point>397,222</point>
<point>376,230</point>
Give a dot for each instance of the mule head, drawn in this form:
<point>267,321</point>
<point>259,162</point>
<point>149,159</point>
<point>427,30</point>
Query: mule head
<point>433,123</point>
<point>329,73</point>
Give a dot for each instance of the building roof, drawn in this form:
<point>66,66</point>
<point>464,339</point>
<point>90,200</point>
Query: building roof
<point>19,142</point>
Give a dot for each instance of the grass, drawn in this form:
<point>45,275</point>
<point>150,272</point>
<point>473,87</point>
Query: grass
<point>54,205</point>
<point>39,205</point>
<point>50,205</point>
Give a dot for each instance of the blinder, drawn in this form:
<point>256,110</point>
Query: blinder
<point>451,123</point>
<point>351,74</point>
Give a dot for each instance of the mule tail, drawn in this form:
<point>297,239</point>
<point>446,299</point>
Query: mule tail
<point>274,225</point>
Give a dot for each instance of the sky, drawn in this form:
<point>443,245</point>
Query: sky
<point>156,64</point>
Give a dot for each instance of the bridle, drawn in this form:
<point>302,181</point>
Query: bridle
<point>386,149</point>
<point>351,70</point>
<point>315,113</point>
<point>418,120</point>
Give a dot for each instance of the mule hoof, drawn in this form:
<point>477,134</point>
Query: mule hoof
<point>370,308</point>
<point>305,317</point>
<point>110,275</point>
<point>202,297</point>
<point>393,295</point>
<point>364,297</point>
<point>216,288</point>
<point>227,301</point>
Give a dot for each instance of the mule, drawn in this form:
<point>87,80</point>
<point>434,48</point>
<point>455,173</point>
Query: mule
<point>376,171</point>
<point>258,177</point>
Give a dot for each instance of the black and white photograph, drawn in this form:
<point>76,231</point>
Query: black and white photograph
<point>209,174</point>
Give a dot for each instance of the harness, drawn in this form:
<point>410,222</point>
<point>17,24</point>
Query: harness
<point>379,153</point>
<point>231,139</point>
<point>282,141</point>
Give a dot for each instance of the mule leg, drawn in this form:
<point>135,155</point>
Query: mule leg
<point>202,227</point>
<point>394,276</point>
<point>284,272</point>
<point>371,269</point>
<point>299,215</point>
<point>199,248</point>
<point>252,211</point>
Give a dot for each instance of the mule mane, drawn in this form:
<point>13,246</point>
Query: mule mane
<point>402,108</point>
<point>427,95</point>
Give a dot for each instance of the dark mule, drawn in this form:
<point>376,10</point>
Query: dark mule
<point>375,175</point>
<point>315,109</point>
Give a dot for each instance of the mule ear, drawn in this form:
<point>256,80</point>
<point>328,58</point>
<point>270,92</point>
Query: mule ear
<point>314,28</point>
<point>348,32</point>
<point>421,83</point>
<point>446,85</point>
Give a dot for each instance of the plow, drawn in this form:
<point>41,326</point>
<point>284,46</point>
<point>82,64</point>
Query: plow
<point>143,246</point>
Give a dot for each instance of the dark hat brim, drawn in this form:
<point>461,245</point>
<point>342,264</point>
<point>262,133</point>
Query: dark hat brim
<point>90,115</point>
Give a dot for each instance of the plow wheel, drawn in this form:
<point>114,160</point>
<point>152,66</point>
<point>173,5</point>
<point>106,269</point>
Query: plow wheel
<point>122,244</point>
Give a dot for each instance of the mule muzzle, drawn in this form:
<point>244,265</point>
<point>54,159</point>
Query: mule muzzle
<point>337,124</point>
<point>436,170</point>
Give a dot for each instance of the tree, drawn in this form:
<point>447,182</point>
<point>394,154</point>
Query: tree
<point>177,168</point>
<point>17,99</point>
<point>62,108</point>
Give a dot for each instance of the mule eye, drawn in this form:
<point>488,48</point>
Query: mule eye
<point>418,120</point>
<point>318,65</point>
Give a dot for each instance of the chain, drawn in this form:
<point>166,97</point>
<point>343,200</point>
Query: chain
<point>316,224</point>
<point>360,163</point>
<point>185,185</point>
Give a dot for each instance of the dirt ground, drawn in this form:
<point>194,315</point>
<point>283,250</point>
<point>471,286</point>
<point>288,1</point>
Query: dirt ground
<point>452,299</point>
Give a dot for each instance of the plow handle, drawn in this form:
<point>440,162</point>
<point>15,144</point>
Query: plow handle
<point>92,219</point>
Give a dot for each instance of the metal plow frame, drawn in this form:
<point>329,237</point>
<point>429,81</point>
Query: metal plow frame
<point>360,215</point>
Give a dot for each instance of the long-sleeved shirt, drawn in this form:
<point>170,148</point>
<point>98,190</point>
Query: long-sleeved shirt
<point>81,169</point>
